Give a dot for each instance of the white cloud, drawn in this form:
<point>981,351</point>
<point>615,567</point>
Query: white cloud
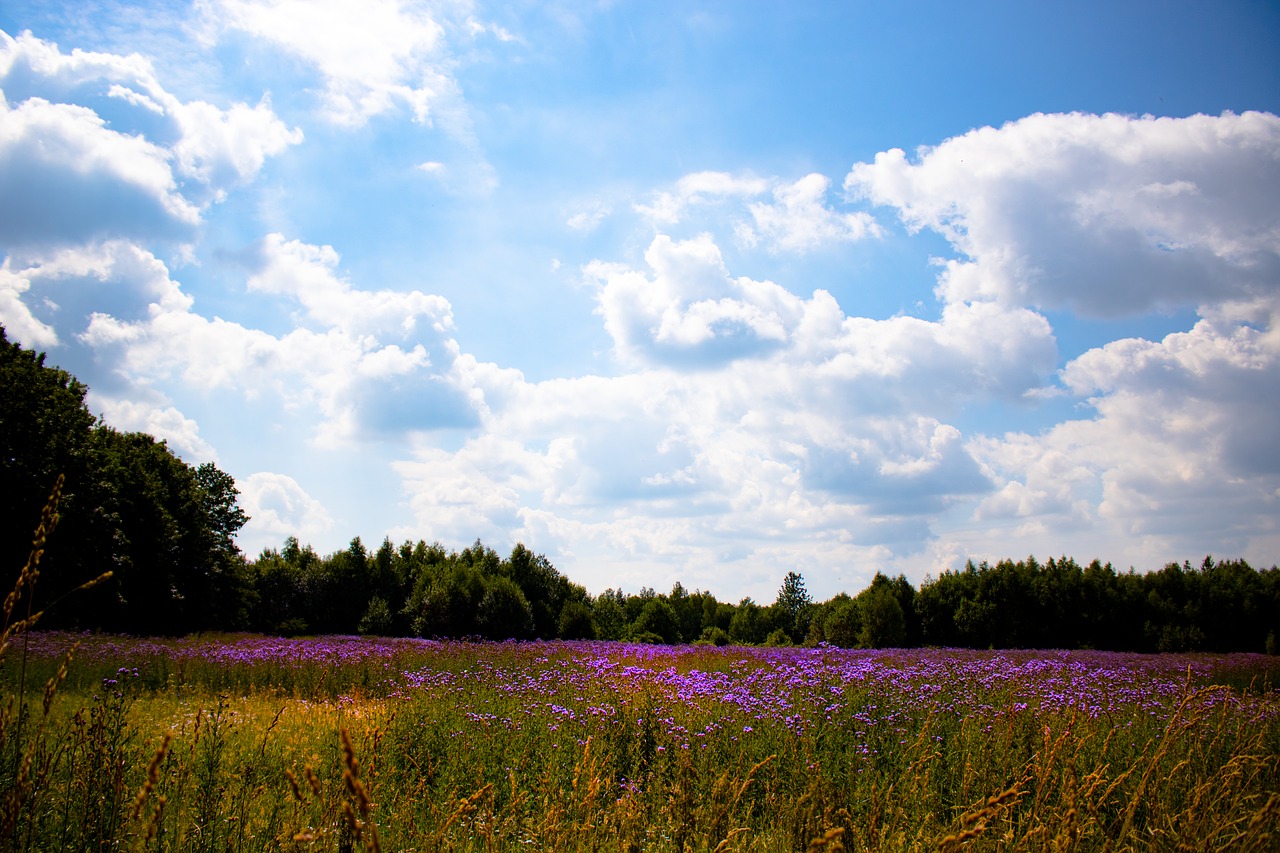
<point>94,132</point>
<point>278,507</point>
<point>799,219</point>
<point>589,219</point>
<point>60,166</point>
<point>162,421</point>
<point>20,324</point>
<point>660,475</point>
<point>374,56</point>
<point>1105,214</point>
<point>222,148</point>
<point>307,274</point>
<point>364,363</point>
<point>667,207</point>
<point>1179,459</point>
<point>691,310</point>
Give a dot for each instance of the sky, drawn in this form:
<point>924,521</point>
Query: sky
<point>702,291</point>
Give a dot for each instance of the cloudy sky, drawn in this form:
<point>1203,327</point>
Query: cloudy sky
<point>697,291</point>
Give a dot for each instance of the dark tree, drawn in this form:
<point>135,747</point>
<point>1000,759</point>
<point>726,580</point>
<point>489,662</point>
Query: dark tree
<point>45,430</point>
<point>576,622</point>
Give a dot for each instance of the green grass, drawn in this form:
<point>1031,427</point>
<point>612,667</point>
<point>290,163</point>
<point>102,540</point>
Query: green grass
<point>236,744</point>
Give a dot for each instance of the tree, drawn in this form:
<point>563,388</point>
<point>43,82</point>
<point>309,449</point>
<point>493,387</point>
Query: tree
<point>883,623</point>
<point>609,611</point>
<point>842,622</point>
<point>504,612</point>
<point>576,622</point>
<point>166,529</point>
<point>45,430</point>
<point>658,618</point>
<point>447,605</point>
<point>377,618</point>
<point>222,513</point>
<point>794,605</point>
<point>748,625</point>
<point>544,587</point>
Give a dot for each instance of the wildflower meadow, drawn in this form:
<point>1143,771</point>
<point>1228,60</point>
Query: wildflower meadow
<point>247,743</point>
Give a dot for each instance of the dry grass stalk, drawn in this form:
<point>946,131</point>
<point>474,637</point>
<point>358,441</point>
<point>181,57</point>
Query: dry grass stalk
<point>362,825</point>
<point>974,823</point>
<point>828,841</point>
<point>31,571</point>
<point>153,776</point>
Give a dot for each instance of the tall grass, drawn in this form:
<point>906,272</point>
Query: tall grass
<point>248,743</point>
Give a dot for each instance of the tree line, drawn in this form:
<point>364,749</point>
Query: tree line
<point>166,530</point>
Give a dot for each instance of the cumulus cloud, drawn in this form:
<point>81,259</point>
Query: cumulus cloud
<point>307,274</point>
<point>278,507</point>
<point>1179,457</point>
<point>86,133</point>
<point>162,421</point>
<point>1113,215</point>
<point>662,474</point>
<point>364,362</point>
<point>374,56</point>
<point>60,167</point>
<point>20,324</point>
<point>690,310</point>
<point>1107,215</point>
<point>222,148</point>
<point>799,219</point>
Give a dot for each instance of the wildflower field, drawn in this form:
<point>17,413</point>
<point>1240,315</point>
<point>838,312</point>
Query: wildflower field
<point>246,743</point>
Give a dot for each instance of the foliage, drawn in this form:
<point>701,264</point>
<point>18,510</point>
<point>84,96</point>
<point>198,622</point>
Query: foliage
<point>163,528</point>
<point>794,606</point>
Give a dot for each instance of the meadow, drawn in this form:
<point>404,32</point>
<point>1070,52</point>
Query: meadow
<point>240,742</point>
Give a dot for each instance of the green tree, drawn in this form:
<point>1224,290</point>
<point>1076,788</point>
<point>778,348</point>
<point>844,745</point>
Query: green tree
<point>748,625</point>
<point>658,617</point>
<point>544,587</point>
<point>609,611</point>
<point>130,505</point>
<point>503,612</point>
<point>377,618</point>
<point>576,622</point>
<point>222,512</point>
<point>794,605</point>
<point>883,622</point>
<point>448,601</point>
<point>842,622</point>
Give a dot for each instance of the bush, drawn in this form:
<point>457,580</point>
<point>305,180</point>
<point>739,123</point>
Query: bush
<point>714,636</point>
<point>778,638</point>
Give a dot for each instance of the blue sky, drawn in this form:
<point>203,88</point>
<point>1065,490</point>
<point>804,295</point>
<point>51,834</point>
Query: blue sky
<point>671,291</point>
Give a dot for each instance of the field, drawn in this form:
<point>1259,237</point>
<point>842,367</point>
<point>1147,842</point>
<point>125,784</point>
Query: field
<point>238,743</point>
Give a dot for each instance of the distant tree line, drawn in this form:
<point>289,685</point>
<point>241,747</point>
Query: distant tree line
<point>166,530</point>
